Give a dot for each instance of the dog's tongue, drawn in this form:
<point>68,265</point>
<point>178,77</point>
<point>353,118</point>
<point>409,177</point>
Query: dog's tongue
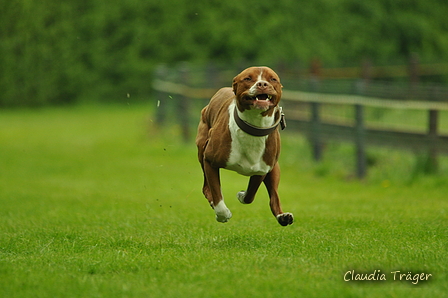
<point>262,97</point>
<point>262,104</point>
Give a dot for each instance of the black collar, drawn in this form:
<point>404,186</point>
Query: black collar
<point>259,131</point>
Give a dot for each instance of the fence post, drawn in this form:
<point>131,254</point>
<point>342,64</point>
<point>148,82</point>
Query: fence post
<point>361,164</point>
<point>183,105</point>
<point>431,165</point>
<point>315,132</point>
<point>360,142</point>
<point>366,75</point>
<point>316,142</point>
<point>433,134</point>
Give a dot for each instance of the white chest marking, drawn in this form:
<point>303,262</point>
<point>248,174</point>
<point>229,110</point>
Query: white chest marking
<point>246,154</point>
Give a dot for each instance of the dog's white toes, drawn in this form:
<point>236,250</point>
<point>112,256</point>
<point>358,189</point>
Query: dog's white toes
<point>285,218</point>
<point>223,218</point>
<point>241,195</point>
<point>223,213</point>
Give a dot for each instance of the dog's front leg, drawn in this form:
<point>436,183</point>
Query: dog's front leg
<point>248,196</point>
<point>223,213</point>
<point>271,181</point>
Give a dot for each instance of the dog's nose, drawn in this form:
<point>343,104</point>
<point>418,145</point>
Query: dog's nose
<point>262,84</point>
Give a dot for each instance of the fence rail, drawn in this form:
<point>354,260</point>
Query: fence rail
<point>319,129</point>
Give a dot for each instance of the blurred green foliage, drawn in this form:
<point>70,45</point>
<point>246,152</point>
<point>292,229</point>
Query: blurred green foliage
<point>55,52</point>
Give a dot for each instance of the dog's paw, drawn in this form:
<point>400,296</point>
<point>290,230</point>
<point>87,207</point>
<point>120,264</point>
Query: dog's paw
<point>241,195</point>
<point>223,213</point>
<point>223,217</point>
<point>285,218</point>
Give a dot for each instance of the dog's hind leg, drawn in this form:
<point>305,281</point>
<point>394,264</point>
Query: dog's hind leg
<point>271,181</point>
<point>248,196</point>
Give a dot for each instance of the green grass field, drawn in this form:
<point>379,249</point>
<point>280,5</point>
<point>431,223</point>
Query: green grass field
<point>97,202</point>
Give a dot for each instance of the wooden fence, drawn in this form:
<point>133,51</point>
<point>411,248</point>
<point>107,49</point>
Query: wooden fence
<point>304,115</point>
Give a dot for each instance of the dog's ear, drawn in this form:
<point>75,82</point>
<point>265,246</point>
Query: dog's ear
<point>235,84</point>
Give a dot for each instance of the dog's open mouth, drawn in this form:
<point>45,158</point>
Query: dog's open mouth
<point>262,97</point>
<point>261,101</point>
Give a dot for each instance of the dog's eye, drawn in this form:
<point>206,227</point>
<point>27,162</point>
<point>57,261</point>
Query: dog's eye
<point>274,79</point>
<point>248,79</point>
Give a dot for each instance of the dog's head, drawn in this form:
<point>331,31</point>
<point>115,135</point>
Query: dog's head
<point>257,88</point>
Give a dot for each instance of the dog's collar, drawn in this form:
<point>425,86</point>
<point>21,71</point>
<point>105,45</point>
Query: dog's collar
<point>260,131</point>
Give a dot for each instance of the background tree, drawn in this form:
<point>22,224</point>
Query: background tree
<point>54,52</point>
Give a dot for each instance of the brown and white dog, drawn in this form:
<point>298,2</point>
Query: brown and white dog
<point>238,131</point>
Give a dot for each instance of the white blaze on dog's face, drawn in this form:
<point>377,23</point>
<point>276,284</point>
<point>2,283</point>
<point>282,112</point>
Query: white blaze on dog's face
<point>257,88</point>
